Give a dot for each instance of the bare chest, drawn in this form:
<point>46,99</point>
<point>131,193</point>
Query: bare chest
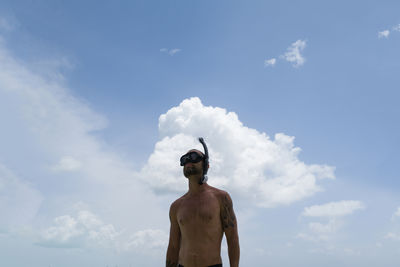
<point>198,211</point>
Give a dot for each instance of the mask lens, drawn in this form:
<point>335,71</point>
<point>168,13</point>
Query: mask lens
<point>190,157</point>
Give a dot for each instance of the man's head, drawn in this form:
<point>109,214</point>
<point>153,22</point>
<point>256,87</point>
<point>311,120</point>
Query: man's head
<point>194,159</point>
<point>192,163</point>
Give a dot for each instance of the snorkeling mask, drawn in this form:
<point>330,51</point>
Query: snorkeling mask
<point>194,157</point>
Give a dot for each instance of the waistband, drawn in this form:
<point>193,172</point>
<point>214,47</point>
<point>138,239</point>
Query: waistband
<point>216,265</point>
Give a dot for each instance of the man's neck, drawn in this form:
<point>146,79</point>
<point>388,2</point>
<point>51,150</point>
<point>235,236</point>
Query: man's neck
<point>194,186</point>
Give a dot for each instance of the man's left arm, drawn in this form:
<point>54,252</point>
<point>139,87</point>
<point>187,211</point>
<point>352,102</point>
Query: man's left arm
<point>229,225</point>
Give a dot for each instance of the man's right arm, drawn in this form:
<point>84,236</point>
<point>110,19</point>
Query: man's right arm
<point>174,238</point>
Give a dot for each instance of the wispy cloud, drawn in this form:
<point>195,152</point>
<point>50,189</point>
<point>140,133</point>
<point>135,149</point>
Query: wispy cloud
<point>332,212</point>
<point>68,163</point>
<point>148,239</point>
<point>293,53</point>
<point>20,201</point>
<point>396,28</point>
<point>170,52</point>
<point>59,147</point>
<point>318,231</point>
<point>396,214</point>
<point>383,34</point>
<point>7,24</point>
<point>333,209</point>
<point>393,236</point>
<point>269,62</point>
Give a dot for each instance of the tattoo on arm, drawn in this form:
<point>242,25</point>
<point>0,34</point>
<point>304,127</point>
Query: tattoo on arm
<point>227,215</point>
<point>171,264</point>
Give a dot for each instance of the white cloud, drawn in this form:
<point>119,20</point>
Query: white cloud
<point>7,24</point>
<point>393,236</point>
<point>269,62</point>
<point>174,51</point>
<point>386,33</point>
<point>396,28</point>
<point>170,52</point>
<point>321,228</point>
<point>50,142</point>
<point>19,201</point>
<point>148,239</point>
<point>293,54</point>
<point>68,163</point>
<point>267,171</point>
<point>383,34</point>
<point>64,231</point>
<point>318,231</point>
<point>85,229</point>
<point>333,209</point>
<point>396,213</point>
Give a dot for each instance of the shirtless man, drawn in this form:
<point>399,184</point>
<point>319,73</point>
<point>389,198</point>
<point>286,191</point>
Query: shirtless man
<point>199,219</point>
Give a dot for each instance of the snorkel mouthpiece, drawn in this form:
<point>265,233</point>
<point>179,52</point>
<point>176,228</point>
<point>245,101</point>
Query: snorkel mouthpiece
<point>205,162</point>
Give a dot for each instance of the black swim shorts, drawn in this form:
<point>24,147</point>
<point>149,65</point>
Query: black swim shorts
<point>216,265</point>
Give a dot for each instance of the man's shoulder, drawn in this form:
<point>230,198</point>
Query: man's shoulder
<point>219,193</point>
<point>177,202</point>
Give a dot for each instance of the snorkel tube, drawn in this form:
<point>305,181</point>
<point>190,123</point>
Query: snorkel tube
<point>205,162</point>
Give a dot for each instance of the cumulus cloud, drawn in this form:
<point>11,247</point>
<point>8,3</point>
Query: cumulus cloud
<point>148,239</point>
<point>267,171</point>
<point>383,34</point>
<point>170,52</point>
<point>333,209</point>
<point>293,53</point>
<point>269,62</point>
<point>84,229</point>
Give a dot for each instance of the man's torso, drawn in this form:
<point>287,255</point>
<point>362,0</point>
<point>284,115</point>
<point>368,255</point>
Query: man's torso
<point>199,221</point>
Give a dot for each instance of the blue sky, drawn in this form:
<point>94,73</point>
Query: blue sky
<point>98,100</point>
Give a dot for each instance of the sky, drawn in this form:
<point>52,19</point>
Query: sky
<point>297,101</point>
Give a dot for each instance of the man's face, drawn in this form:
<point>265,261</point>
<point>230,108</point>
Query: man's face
<point>190,168</point>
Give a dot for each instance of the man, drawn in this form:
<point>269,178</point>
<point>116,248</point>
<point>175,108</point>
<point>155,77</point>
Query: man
<point>200,218</point>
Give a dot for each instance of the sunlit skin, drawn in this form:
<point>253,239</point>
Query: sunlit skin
<point>198,221</point>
